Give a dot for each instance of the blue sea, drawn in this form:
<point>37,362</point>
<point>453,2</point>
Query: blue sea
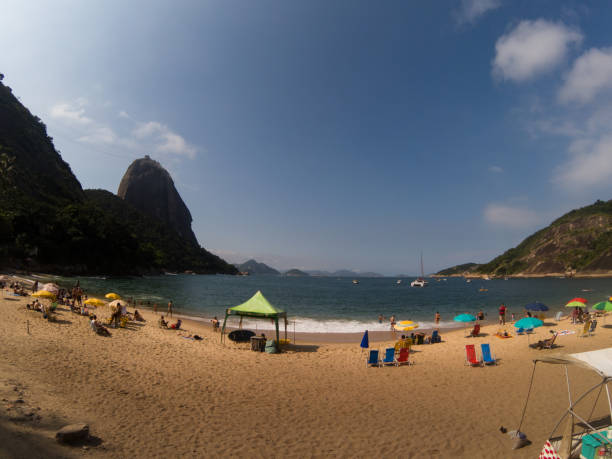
<point>336,305</point>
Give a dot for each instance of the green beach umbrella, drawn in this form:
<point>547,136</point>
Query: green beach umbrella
<point>603,306</point>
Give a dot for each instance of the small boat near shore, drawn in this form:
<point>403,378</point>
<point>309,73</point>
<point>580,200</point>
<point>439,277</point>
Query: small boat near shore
<point>355,282</point>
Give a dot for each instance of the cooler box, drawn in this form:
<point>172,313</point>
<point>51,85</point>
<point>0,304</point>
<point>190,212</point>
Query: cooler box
<point>590,444</point>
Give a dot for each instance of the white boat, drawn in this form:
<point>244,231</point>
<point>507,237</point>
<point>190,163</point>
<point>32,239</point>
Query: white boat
<point>399,281</point>
<point>420,281</point>
<point>355,281</point>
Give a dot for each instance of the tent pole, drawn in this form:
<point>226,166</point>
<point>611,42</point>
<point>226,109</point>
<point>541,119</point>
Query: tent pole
<point>223,328</point>
<point>277,342</point>
<point>285,328</point>
<point>609,402</point>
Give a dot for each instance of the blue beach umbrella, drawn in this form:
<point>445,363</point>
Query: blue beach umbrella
<point>528,322</point>
<point>537,306</point>
<point>465,318</point>
<point>365,341</point>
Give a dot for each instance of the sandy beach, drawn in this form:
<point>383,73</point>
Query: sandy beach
<point>149,392</point>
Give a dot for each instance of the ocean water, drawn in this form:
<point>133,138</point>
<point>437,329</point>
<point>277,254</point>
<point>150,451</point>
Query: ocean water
<point>337,305</point>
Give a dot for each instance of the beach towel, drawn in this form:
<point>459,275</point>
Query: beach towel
<point>549,452</point>
<point>566,332</point>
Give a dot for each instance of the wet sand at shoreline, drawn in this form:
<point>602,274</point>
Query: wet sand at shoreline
<point>148,392</point>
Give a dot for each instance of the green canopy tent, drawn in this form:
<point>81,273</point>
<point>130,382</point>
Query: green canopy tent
<point>257,306</point>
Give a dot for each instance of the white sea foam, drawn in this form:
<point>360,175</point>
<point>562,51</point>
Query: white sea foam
<point>308,325</point>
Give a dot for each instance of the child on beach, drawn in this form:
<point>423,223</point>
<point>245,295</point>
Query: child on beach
<point>215,324</point>
<point>437,317</point>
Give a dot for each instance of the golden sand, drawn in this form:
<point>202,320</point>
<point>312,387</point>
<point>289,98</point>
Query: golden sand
<point>148,392</point>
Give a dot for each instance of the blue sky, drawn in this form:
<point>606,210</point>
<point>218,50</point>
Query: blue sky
<point>327,135</point>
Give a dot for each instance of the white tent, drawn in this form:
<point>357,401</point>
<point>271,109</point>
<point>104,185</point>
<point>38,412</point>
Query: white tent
<point>600,362</point>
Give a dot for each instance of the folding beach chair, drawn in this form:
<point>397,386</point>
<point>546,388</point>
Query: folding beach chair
<point>373,360</point>
<point>487,355</point>
<point>476,331</point>
<point>520,331</point>
<point>403,357</point>
<point>470,356</point>
<point>592,327</point>
<point>529,331</point>
<point>545,343</point>
<point>389,356</point>
<point>435,337</point>
<point>558,316</point>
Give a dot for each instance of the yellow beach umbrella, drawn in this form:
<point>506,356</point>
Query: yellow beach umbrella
<point>406,325</point>
<point>94,302</point>
<point>44,294</point>
<point>112,296</point>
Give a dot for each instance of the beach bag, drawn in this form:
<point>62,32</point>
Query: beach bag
<point>271,347</point>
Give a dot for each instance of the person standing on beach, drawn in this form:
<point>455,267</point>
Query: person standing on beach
<point>502,314</point>
<point>155,308</point>
<point>392,321</point>
<point>380,318</point>
<point>170,306</point>
<point>437,317</point>
<point>480,315</point>
<point>35,287</point>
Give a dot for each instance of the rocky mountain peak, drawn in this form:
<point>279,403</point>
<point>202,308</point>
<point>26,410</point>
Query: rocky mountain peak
<point>149,187</point>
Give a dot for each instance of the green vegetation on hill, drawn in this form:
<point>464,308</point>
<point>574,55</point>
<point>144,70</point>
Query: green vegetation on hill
<point>47,222</point>
<point>579,241</point>
<point>457,270</point>
<point>254,267</point>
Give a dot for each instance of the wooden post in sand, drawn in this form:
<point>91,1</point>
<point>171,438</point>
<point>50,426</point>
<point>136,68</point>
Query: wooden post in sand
<point>28,326</point>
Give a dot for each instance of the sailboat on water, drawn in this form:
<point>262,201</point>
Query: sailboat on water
<point>420,281</point>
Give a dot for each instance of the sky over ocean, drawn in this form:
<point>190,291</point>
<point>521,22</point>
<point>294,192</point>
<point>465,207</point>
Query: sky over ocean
<point>328,135</point>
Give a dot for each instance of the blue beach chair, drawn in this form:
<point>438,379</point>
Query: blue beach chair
<point>435,337</point>
<point>389,356</point>
<point>520,331</point>
<point>373,360</point>
<point>529,331</point>
<point>487,356</point>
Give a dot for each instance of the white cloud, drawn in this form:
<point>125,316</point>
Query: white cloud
<point>72,113</point>
<point>100,134</point>
<point>532,48</point>
<point>590,164</point>
<point>166,141</point>
<point>123,114</point>
<point>511,217</point>
<point>496,169</point>
<point>591,74</point>
<point>471,10</point>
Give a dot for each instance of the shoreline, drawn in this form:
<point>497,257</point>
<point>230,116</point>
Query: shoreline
<point>319,395</point>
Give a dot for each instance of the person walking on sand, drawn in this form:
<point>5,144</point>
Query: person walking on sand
<point>502,314</point>
<point>437,317</point>
<point>170,306</point>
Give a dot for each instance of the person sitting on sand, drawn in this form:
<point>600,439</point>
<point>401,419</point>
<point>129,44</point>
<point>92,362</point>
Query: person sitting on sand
<point>162,323</point>
<point>177,325</point>
<point>215,323</point>
<point>98,327</point>
<point>138,317</point>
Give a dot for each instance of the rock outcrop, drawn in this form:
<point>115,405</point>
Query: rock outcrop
<point>254,267</point>
<point>148,187</point>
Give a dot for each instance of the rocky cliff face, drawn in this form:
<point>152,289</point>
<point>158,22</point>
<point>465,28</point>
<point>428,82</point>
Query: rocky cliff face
<point>148,186</point>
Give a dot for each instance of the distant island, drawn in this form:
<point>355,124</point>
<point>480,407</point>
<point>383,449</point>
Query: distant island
<point>296,273</point>
<point>577,244</point>
<point>254,267</point>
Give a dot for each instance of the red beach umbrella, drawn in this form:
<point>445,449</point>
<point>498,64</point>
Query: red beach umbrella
<point>582,300</point>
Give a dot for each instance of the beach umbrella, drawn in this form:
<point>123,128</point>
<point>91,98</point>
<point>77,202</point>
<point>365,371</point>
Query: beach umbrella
<point>465,318</point>
<point>528,322</point>
<point>51,287</point>
<point>575,304</point>
<point>603,306</point>
<point>406,325</point>
<point>537,306</point>
<point>44,294</point>
<point>582,300</point>
<point>365,341</point>
<point>112,296</point>
<point>94,302</point>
